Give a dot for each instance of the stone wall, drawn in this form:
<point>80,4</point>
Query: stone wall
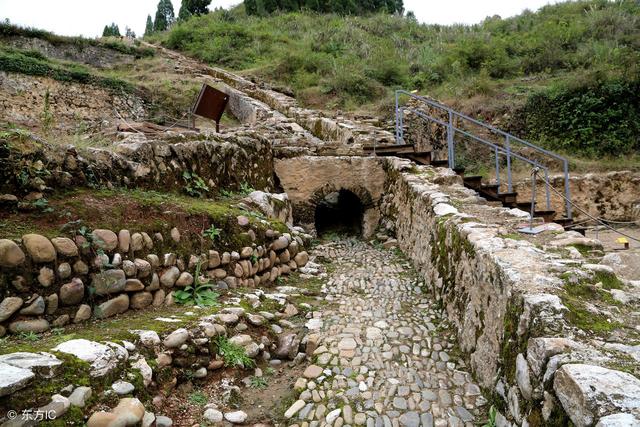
<point>308,179</point>
<point>611,195</point>
<point>222,161</point>
<point>70,104</point>
<point>502,294</point>
<point>50,283</point>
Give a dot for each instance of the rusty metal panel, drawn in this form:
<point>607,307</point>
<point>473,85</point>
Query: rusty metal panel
<point>210,104</point>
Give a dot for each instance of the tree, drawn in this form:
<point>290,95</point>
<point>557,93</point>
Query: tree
<point>111,30</point>
<point>129,33</point>
<point>251,7</point>
<point>148,28</point>
<point>165,16</point>
<point>195,7</point>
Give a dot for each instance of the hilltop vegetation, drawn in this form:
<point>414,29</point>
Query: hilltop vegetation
<point>580,60</point>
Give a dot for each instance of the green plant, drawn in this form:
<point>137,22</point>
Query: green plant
<point>29,336</point>
<point>212,232</point>
<point>491,422</point>
<point>258,382</point>
<point>233,355</point>
<point>43,205</point>
<point>246,189</point>
<point>198,398</point>
<point>199,293</point>
<point>195,186</point>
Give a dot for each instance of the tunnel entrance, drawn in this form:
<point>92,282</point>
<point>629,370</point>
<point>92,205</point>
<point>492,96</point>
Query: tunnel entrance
<point>339,212</point>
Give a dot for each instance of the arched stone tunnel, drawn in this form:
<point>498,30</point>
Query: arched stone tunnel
<point>339,194</point>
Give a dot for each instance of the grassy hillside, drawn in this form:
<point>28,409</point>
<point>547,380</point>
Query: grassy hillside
<point>580,60</point>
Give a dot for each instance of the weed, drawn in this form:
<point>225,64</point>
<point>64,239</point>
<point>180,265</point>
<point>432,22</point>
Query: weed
<point>198,398</point>
<point>246,189</point>
<point>233,355</point>
<point>491,422</point>
<point>258,382</point>
<point>212,233</point>
<point>195,186</point>
<point>29,336</point>
<point>200,293</point>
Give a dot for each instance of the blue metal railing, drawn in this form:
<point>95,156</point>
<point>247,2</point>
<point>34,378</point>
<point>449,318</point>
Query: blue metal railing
<point>506,149</point>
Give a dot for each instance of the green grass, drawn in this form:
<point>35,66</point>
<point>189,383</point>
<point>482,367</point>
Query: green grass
<point>198,398</point>
<point>9,30</point>
<point>35,64</point>
<point>232,354</point>
<point>580,59</point>
<point>258,382</point>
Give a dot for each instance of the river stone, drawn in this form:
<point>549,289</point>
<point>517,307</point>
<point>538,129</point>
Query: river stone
<point>143,267</point>
<point>114,306</point>
<point>148,338</point>
<point>80,396</point>
<point>212,415</point>
<point>133,285</point>
<point>588,391</point>
<point>64,270</point>
<point>42,363</point>
<point>158,298</point>
<point>214,259</point>
<point>169,276</point>
<point>288,345</point>
<point>280,243</point>
<point>46,277</point>
<point>122,387</point>
<point>72,293</point>
<point>109,282</point>
<point>301,259</point>
<point>83,313</point>
<point>130,410</point>
<point>102,357</point>
<point>105,239</point>
<point>39,248</point>
<point>35,325</point>
<point>105,419</point>
<point>52,303</point>
<point>141,300</point>
<point>619,420</point>
<point>80,267</point>
<point>185,279</point>
<point>65,246</point>
<point>176,338</point>
<point>236,417</point>
<point>8,306</point>
<point>10,254</point>
<point>124,240</point>
<point>293,409</point>
<point>312,371</point>
<point>13,379</point>
<point>36,308</point>
<point>162,421</point>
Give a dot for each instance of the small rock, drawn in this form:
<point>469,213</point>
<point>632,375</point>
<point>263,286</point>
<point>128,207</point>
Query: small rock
<point>10,254</point>
<point>39,248</point>
<point>236,417</point>
<point>213,415</point>
<point>122,387</point>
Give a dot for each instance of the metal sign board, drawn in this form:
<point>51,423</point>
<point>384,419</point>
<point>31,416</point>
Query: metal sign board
<point>210,104</point>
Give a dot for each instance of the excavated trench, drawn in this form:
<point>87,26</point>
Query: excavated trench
<point>339,212</point>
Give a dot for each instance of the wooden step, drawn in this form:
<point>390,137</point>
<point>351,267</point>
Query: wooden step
<point>420,157</point>
<point>472,181</point>
<point>548,216</point>
<point>389,149</point>
<point>490,191</point>
<point>525,206</point>
<point>440,163</point>
<point>509,199</point>
<point>459,170</point>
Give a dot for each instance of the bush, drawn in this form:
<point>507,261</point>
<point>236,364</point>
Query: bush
<point>598,117</point>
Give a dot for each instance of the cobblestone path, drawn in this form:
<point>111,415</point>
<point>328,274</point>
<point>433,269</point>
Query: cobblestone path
<point>385,356</point>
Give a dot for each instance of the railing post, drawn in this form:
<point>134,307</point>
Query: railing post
<point>567,191</point>
<point>450,148</point>
<point>398,127</point>
<point>497,169</point>
<point>546,179</point>
<point>508,147</point>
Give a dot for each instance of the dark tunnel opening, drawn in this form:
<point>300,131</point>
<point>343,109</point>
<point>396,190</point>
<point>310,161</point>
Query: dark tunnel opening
<point>339,212</point>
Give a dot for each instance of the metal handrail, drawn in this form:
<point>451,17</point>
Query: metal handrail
<point>506,150</point>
